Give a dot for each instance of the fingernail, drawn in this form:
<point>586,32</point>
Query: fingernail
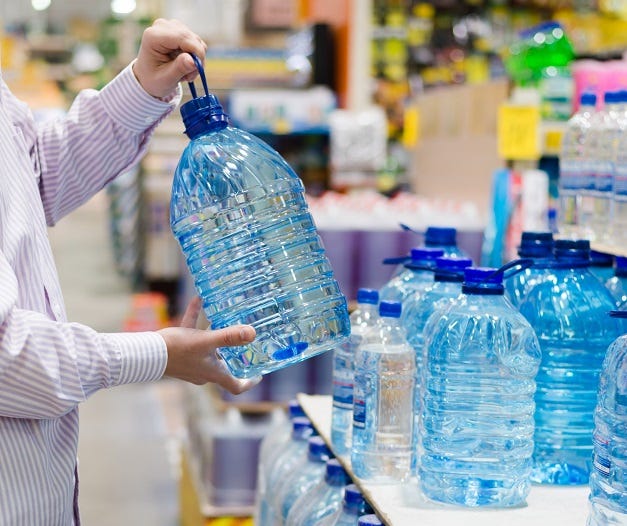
<point>247,334</point>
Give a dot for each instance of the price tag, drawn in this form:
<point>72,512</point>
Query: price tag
<point>411,127</point>
<point>553,141</point>
<point>518,132</point>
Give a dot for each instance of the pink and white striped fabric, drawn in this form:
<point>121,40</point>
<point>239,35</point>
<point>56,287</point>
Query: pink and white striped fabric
<point>48,365</point>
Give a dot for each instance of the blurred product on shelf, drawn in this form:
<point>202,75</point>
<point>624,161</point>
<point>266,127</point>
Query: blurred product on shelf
<point>353,506</point>
<point>415,278</point>
<point>149,312</point>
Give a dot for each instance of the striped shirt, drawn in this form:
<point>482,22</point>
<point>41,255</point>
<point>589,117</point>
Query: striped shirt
<point>48,365</point>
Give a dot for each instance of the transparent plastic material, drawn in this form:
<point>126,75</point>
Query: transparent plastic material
<point>353,506</point>
<point>363,318</point>
<point>385,372</point>
<point>619,198</point>
<point>239,213</point>
<point>568,312</point>
<point>608,480</point>
<point>617,284</point>
<point>418,275</point>
<point>476,432</point>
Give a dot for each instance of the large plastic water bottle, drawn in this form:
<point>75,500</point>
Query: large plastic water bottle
<point>617,284</point>
<point>363,318</point>
<point>538,247</point>
<point>619,209</point>
<point>418,275</point>
<point>322,500</point>
<point>385,371</point>
<point>303,477</point>
<point>608,480</point>
<point>292,454</point>
<point>576,181</point>
<point>353,506</point>
<point>239,213</point>
<point>568,312</point>
<point>476,429</point>
<point>601,265</point>
<point>444,238</point>
<point>447,285</point>
<point>272,446</point>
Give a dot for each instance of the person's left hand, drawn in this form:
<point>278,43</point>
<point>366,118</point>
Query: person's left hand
<point>163,59</point>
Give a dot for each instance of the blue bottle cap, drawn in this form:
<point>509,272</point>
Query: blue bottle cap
<point>425,254</point>
<point>335,474</point>
<point>369,520</point>
<point>483,280</point>
<point>566,249</point>
<point>317,450</point>
<point>352,494</point>
<point>203,114</point>
<point>390,309</point>
<point>536,245</point>
<point>601,259</point>
<point>622,314</point>
<point>450,269</point>
<point>302,428</point>
<point>588,99</point>
<point>369,296</point>
<point>621,266</point>
<point>443,236</point>
<point>294,409</point>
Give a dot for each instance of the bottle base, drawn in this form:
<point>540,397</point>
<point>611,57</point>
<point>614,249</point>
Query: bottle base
<point>382,468</point>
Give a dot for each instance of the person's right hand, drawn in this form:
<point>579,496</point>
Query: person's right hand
<point>192,354</point>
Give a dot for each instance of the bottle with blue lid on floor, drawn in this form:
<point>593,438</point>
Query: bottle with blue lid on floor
<point>239,213</point>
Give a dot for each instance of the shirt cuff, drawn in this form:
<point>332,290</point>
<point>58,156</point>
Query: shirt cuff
<point>130,105</point>
<point>141,357</point>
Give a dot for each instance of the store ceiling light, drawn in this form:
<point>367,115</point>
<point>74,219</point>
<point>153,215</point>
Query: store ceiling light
<point>123,7</point>
<point>40,5</point>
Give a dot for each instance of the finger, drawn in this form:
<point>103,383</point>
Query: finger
<point>171,36</point>
<point>190,317</point>
<point>233,336</point>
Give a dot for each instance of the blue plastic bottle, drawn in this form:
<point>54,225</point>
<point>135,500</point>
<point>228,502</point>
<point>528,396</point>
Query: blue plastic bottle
<point>476,430</point>
<point>418,275</point>
<point>538,247</point>
<point>322,500</point>
<point>239,213</point>
<point>353,506</point>
<point>385,371</point>
<point>303,477</point>
<point>601,265</point>
<point>568,312</point>
<point>608,480</point>
<point>617,284</point>
<point>447,285</point>
<point>444,238</point>
<point>363,318</point>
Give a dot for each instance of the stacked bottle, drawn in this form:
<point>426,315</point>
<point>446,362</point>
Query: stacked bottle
<point>417,276</point>
<point>619,198</point>
<point>362,320</point>
<point>444,238</point>
<point>568,312</point>
<point>476,432</point>
<point>353,506</point>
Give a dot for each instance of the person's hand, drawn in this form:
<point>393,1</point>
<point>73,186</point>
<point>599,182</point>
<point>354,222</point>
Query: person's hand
<point>192,354</point>
<point>163,59</point>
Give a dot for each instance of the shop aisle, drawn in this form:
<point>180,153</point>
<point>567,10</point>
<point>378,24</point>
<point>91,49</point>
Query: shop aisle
<point>129,435</point>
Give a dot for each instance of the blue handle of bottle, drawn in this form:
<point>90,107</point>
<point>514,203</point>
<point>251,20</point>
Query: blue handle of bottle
<point>512,268</point>
<point>203,78</point>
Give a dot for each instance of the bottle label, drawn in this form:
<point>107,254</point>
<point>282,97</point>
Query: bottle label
<point>359,413</point>
<point>342,394</point>
<point>620,181</point>
<point>603,177</point>
<point>601,458</point>
<point>575,175</point>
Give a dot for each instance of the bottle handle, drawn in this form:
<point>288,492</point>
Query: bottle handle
<point>203,78</point>
<point>512,268</point>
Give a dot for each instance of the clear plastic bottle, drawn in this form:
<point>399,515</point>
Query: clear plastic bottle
<point>568,312</point>
<point>619,209</point>
<point>385,371</point>
<point>447,285</point>
<point>322,500</point>
<point>292,453</point>
<point>272,446</point>
<point>617,284</point>
<point>418,274</point>
<point>239,213</point>
<point>303,477</point>
<point>353,506</point>
<point>476,430</point>
<point>537,246</point>
<point>608,480</point>
<point>363,318</point>
<point>444,238</point>
<point>575,179</point>
<point>601,265</point>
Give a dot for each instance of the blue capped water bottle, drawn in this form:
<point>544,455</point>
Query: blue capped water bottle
<point>617,284</point>
<point>537,247</point>
<point>476,431</point>
<point>568,312</point>
<point>363,318</point>
<point>239,213</point>
<point>444,238</point>
<point>608,480</point>
<point>418,275</point>
<point>354,505</point>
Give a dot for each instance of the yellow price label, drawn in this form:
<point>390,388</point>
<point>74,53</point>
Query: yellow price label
<point>411,127</point>
<point>518,132</point>
<point>553,141</point>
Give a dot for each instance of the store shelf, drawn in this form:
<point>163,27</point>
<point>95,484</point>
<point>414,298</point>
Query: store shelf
<point>609,249</point>
<point>400,505</point>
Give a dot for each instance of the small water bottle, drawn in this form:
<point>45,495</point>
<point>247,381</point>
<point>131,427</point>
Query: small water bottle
<point>322,500</point>
<point>608,480</point>
<point>418,275</point>
<point>575,180</point>
<point>617,284</point>
<point>385,372</point>
<point>290,455</point>
<point>303,477</point>
<point>239,213</point>
<point>447,285</point>
<point>537,247</point>
<point>363,318</point>
<point>369,520</point>
<point>568,312</point>
<point>476,433</point>
<point>444,238</point>
<point>353,506</point>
